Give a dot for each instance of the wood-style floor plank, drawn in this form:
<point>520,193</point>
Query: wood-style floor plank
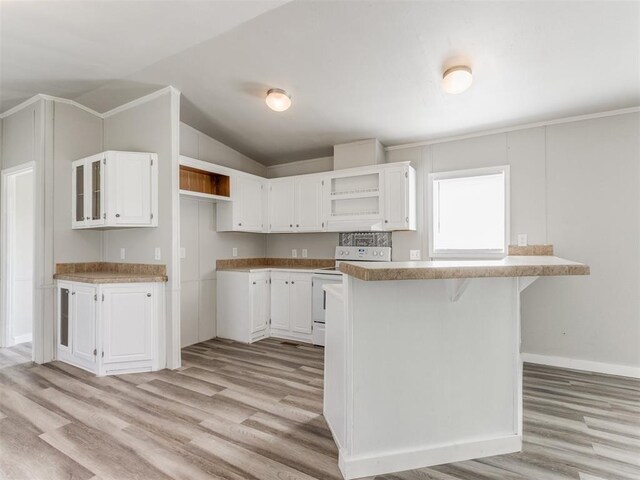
<point>239,412</point>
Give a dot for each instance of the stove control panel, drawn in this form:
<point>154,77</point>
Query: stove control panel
<point>367,254</point>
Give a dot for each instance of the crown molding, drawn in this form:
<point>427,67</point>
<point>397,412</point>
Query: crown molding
<point>109,113</point>
<point>546,123</point>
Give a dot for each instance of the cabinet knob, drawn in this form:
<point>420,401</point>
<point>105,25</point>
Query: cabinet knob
<point>148,294</point>
<point>286,283</point>
<point>117,215</point>
<point>291,225</point>
<point>86,218</point>
<point>386,221</point>
<point>297,225</point>
<point>254,283</point>
<point>292,283</point>
<point>240,224</point>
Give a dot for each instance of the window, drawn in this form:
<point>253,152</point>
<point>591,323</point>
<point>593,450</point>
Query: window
<point>469,213</point>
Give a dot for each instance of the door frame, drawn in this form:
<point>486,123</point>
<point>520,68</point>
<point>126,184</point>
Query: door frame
<point>6,337</point>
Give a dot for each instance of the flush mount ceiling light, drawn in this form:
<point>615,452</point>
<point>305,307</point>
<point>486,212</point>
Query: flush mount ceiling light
<point>278,100</point>
<point>457,79</point>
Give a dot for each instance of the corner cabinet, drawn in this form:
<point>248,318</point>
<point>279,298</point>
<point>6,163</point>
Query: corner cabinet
<point>252,305</point>
<point>247,210</point>
<point>115,190</point>
<point>110,328</point>
<point>243,305</point>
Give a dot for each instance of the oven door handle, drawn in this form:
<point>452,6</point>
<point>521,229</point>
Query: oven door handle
<point>324,300</point>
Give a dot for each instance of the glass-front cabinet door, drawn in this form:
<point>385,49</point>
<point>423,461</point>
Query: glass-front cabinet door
<point>96,186</point>
<point>64,316</point>
<point>88,192</point>
<point>78,184</point>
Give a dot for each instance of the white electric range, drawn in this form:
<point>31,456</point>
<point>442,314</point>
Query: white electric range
<point>327,275</point>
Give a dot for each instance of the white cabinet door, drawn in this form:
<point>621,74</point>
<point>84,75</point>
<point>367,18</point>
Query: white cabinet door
<point>79,216</point>
<point>259,291</point>
<point>395,194</point>
<point>281,205</point>
<point>64,316</point>
<point>94,191</point>
<point>300,303</point>
<point>128,323</point>
<point>83,322</point>
<point>129,179</point>
<point>280,300</point>
<point>308,204</point>
<point>249,206</point>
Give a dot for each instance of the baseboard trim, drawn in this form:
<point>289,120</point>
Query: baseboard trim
<point>22,338</point>
<point>390,462</point>
<point>583,365</point>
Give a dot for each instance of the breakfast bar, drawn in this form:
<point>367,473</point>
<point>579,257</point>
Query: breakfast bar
<point>422,360</point>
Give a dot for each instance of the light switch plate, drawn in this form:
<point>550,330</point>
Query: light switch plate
<point>122,254</point>
<point>294,253</point>
<point>157,254</point>
<point>304,253</point>
<point>414,255</point>
<point>235,252</point>
<point>522,240</point>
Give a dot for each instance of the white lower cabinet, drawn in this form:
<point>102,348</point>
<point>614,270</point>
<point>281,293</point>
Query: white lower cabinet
<point>291,306</point>
<point>256,305</point>
<point>110,328</point>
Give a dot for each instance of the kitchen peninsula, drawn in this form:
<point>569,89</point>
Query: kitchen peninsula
<point>422,360</point>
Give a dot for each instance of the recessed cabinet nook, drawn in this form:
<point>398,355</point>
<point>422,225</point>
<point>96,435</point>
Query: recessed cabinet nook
<point>115,190</point>
<point>371,198</point>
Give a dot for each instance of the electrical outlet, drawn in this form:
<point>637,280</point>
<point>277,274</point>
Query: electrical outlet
<point>183,252</point>
<point>414,254</point>
<point>294,253</point>
<point>235,252</point>
<point>157,255</point>
<point>522,240</point>
<point>122,254</point>
<point>304,253</point>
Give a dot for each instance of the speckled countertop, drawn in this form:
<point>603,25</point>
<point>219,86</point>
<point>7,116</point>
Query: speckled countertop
<point>107,272</point>
<point>510,266</point>
<point>252,264</point>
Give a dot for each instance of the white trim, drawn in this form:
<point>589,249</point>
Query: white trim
<point>173,357</point>
<point>544,123</point>
<point>6,331</point>
<point>140,101</point>
<point>583,365</point>
<point>389,462</point>
<point>113,111</point>
<point>27,337</point>
<point>472,172</point>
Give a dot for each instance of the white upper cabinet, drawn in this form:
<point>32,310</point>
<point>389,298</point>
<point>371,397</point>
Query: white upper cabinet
<point>281,205</point>
<point>373,198</point>
<point>400,198</point>
<point>295,204</point>
<point>308,203</point>
<point>115,189</point>
<point>246,212</point>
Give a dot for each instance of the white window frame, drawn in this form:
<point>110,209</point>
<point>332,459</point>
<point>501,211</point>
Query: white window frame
<point>474,172</point>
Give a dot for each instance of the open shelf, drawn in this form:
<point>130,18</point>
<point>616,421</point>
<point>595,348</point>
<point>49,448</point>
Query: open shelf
<point>364,193</point>
<point>203,184</point>
<point>205,196</point>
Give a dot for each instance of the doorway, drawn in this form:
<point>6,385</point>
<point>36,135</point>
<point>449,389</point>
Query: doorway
<point>17,230</point>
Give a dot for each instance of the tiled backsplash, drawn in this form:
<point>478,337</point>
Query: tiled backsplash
<point>365,239</point>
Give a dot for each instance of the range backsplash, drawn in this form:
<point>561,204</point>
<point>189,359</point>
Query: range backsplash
<point>365,239</point>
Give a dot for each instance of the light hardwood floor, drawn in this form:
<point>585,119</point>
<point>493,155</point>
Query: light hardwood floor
<point>254,412</point>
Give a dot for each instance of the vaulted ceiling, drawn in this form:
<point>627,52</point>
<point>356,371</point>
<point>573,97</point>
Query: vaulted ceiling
<point>355,69</point>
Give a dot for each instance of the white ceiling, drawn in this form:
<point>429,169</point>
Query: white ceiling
<point>67,48</point>
<point>355,69</point>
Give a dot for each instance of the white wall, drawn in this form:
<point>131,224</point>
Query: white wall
<point>77,134</point>
<point>22,232</point>
<point>303,167</point>
<point>196,144</point>
<point>202,244</point>
<point>576,186</point>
